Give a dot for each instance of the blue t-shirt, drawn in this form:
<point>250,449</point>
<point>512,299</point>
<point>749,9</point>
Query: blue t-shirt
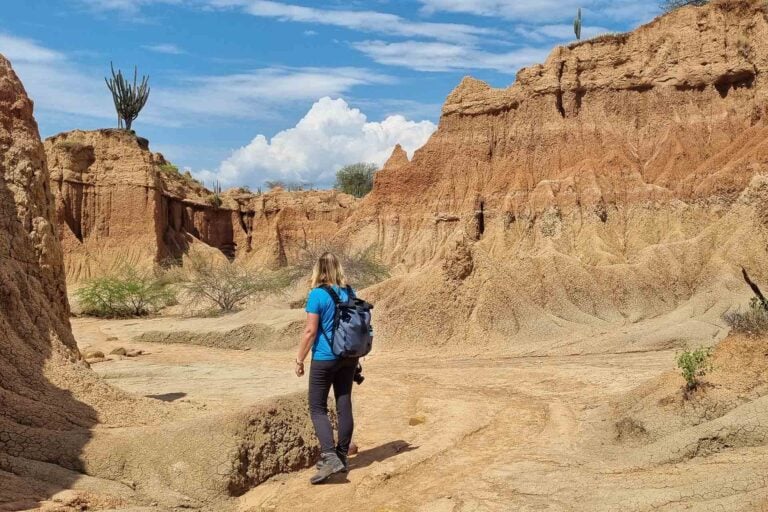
<point>320,303</point>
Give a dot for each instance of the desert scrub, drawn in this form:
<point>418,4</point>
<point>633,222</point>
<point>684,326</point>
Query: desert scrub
<point>187,176</point>
<point>694,364</point>
<point>227,286</point>
<point>126,294</point>
<point>169,168</point>
<point>753,320</point>
<point>362,267</point>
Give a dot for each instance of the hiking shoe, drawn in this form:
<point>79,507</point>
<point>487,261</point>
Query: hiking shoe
<point>343,458</point>
<point>329,464</point>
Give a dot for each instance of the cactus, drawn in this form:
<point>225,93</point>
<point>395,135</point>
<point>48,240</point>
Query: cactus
<point>215,198</point>
<point>577,25</point>
<point>129,98</point>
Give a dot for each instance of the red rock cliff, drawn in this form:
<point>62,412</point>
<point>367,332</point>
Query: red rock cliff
<point>118,203</point>
<point>608,185</point>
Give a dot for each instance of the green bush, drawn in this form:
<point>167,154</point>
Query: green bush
<point>694,364</point>
<point>169,168</point>
<point>752,321</point>
<point>355,179</point>
<point>214,200</point>
<point>126,294</point>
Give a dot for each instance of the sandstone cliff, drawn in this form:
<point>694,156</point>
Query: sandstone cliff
<point>608,185</point>
<point>118,203</point>
<point>49,398</point>
<point>62,427</point>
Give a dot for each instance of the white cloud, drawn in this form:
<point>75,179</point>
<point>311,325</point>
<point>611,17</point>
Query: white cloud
<point>123,6</point>
<point>363,21</point>
<point>255,94</point>
<point>57,84</point>
<point>24,50</point>
<point>328,137</point>
<point>544,11</point>
<point>436,56</point>
<point>53,83</point>
<point>561,32</point>
<point>167,48</point>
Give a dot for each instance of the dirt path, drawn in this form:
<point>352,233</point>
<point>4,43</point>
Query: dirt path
<point>456,434</point>
<point>440,432</point>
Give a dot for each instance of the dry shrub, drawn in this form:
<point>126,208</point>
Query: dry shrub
<point>227,286</point>
<point>753,320</point>
<point>362,268</point>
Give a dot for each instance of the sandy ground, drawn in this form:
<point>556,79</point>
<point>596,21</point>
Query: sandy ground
<point>437,432</point>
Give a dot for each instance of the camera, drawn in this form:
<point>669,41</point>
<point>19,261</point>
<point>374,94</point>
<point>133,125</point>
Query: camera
<point>358,378</point>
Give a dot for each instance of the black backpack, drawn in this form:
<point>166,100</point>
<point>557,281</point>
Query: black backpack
<point>351,335</point>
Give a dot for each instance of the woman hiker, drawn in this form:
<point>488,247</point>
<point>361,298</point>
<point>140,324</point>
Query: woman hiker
<point>327,370</point>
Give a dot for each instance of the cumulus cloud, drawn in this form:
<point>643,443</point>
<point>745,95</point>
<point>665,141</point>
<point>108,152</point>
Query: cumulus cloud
<point>329,136</point>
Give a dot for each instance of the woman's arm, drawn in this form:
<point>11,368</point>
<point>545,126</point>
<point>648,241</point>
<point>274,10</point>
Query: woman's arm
<point>307,339</point>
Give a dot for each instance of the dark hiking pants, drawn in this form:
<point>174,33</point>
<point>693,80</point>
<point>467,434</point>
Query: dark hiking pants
<point>323,375</point>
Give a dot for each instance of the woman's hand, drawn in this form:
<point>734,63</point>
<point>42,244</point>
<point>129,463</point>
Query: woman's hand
<point>310,333</point>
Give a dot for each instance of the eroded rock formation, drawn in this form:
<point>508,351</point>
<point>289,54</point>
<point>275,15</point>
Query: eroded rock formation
<point>118,203</point>
<point>609,185</point>
<point>61,427</point>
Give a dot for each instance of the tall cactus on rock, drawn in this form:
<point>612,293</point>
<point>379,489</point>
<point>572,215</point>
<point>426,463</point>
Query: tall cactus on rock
<point>577,25</point>
<point>129,98</point>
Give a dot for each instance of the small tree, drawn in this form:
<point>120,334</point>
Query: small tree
<point>671,5</point>
<point>126,294</point>
<point>694,364</point>
<point>356,179</point>
<point>228,285</point>
<point>129,98</point>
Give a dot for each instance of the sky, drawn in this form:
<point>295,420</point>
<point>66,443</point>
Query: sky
<point>246,91</point>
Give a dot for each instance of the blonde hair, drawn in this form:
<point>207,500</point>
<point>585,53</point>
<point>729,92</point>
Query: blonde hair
<point>328,270</point>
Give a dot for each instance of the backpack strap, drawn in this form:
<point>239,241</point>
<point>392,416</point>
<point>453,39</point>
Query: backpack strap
<point>330,291</point>
<point>336,301</point>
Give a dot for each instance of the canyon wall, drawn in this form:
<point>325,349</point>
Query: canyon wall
<point>61,426</point>
<point>618,181</point>
<point>118,204</point>
<point>49,398</point>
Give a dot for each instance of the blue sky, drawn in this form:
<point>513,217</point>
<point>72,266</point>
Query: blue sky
<point>249,90</point>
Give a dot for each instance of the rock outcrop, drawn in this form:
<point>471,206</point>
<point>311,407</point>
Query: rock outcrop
<point>48,396</point>
<point>118,203</point>
<point>609,185</point>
